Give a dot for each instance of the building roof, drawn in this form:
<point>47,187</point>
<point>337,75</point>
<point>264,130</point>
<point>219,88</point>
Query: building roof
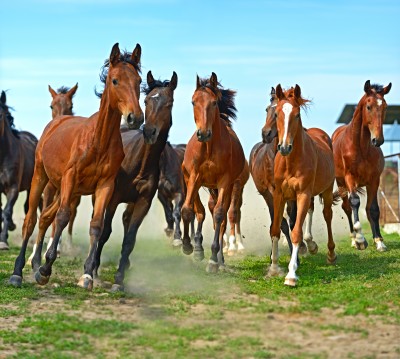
<point>392,114</point>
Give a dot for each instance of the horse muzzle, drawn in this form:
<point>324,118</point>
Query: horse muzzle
<point>377,142</point>
<point>203,136</point>
<point>285,150</point>
<point>150,134</point>
<point>134,122</point>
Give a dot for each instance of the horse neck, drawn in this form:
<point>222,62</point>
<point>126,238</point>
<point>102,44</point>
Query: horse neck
<point>7,143</point>
<point>106,126</point>
<point>153,152</point>
<point>360,134</point>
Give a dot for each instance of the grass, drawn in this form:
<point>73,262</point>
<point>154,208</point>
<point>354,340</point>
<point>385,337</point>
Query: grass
<point>174,309</point>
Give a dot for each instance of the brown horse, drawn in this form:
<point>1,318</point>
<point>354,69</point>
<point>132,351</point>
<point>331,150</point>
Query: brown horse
<point>82,156</point>
<point>359,161</point>
<point>61,105</point>
<point>17,157</point>
<point>137,180</point>
<point>214,158</point>
<point>303,168</point>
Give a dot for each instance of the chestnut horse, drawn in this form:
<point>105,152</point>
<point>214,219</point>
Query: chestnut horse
<point>359,161</point>
<point>82,156</point>
<point>303,168</point>
<point>17,157</point>
<point>137,180</point>
<point>214,158</point>
<point>61,105</point>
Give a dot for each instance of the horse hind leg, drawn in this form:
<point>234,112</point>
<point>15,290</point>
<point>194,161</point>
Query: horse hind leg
<point>327,197</point>
<point>308,237</point>
<point>178,200</point>
<point>200,212</point>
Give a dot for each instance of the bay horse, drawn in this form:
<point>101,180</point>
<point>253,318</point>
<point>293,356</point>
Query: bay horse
<point>303,168</point>
<point>138,178</point>
<point>214,159</point>
<point>359,161</point>
<point>61,105</point>
<point>82,156</point>
<point>17,158</point>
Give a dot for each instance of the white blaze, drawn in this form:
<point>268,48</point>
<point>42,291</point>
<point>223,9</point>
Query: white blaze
<point>287,109</point>
<point>379,101</point>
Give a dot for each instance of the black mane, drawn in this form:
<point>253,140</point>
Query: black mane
<point>9,118</point>
<point>378,88</point>
<point>63,90</point>
<point>226,101</point>
<point>125,56</point>
<point>147,88</point>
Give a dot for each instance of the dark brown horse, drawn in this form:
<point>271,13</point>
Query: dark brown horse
<point>303,168</point>
<point>17,157</point>
<point>171,190</point>
<point>214,159</point>
<point>137,180</point>
<point>82,156</point>
<point>359,161</point>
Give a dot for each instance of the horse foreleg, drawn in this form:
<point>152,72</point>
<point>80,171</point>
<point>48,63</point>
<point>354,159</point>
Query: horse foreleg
<point>219,216</point>
<point>140,210</point>
<point>360,241</point>
<point>327,197</point>
<point>12,195</point>
<point>168,210</point>
<point>126,216</point>
<point>103,195</point>
<point>198,237</point>
<point>373,214</point>
<point>178,200</point>
<point>74,210</point>
<point>303,204</point>
<point>39,181</point>
<point>275,231</point>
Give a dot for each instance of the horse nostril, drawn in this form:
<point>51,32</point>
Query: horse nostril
<point>279,147</point>
<point>208,133</point>
<point>198,133</point>
<point>289,148</point>
<point>154,132</point>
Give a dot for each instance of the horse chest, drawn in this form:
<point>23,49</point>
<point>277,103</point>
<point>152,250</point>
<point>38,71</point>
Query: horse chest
<point>289,188</point>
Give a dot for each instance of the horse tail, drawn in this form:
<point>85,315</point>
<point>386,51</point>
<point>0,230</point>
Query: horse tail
<point>337,195</point>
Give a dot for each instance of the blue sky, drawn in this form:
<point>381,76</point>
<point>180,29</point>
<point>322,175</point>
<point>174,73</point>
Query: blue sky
<point>329,48</point>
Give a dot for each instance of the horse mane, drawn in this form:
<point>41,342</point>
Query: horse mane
<point>10,119</point>
<point>377,88</point>
<point>63,90</point>
<point>299,101</point>
<point>125,56</point>
<point>226,101</point>
<point>147,88</point>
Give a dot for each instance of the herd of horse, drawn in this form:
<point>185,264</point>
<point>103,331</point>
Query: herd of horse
<point>129,163</point>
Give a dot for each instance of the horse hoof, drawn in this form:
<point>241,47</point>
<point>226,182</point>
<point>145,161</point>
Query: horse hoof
<point>187,248</point>
<point>198,254</point>
<point>15,281</point>
<point>275,271</point>
<point>380,246</point>
<point>362,246</point>
<point>169,232</point>
<point>302,249</point>
<point>291,282</point>
<point>212,267</point>
<point>117,288</point>
<point>4,246</point>
<point>11,226</point>
<point>331,260</point>
<point>86,282</point>
<point>41,279</point>
<point>312,247</point>
<point>176,243</point>
<point>232,252</point>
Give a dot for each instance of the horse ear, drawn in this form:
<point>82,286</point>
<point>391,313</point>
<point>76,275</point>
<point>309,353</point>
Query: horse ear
<point>72,91</point>
<point>214,80</point>
<point>387,88</point>
<point>174,81</point>
<point>52,92</point>
<point>197,82</point>
<point>367,87</point>
<point>150,78</point>
<point>297,91</point>
<point>3,97</point>
<point>279,92</point>
<point>273,92</point>
<point>115,54</point>
<point>136,55</point>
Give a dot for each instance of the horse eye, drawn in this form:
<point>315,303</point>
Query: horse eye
<point>275,115</point>
<point>115,82</point>
<point>193,103</point>
<point>271,100</point>
<point>51,106</point>
<point>214,103</point>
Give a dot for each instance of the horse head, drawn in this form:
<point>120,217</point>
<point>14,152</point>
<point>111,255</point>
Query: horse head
<point>158,102</point>
<point>373,107</point>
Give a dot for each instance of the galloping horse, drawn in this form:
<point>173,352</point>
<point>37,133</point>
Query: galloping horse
<point>137,180</point>
<point>359,161</point>
<point>17,157</point>
<point>214,158</point>
<point>61,104</point>
<point>82,156</point>
<point>303,168</point>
